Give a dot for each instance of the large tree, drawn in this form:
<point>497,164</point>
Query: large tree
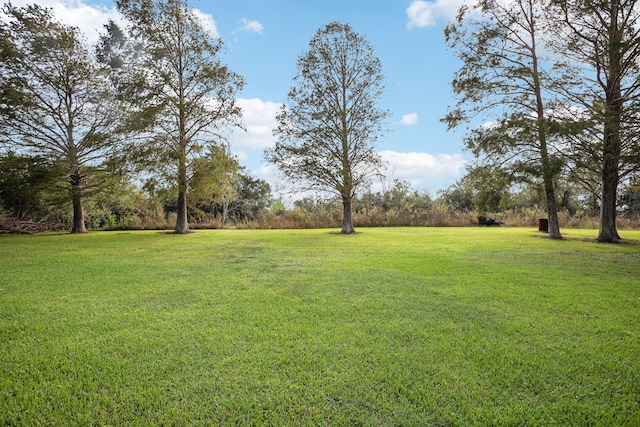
<point>329,127</point>
<point>603,38</point>
<point>56,100</point>
<point>505,80</point>
<point>185,97</point>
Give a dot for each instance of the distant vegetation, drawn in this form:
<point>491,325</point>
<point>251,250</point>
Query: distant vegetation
<point>27,193</point>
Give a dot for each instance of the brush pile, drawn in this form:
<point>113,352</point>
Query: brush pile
<point>14,226</point>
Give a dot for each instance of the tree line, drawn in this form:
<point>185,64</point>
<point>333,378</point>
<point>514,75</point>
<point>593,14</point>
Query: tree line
<point>556,83</point>
<point>152,99</point>
<point>548,90</point>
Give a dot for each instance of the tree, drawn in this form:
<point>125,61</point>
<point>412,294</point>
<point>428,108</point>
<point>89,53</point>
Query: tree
<point>56,100</point>
<point>603,37</point>
<point>458,196</point>
<point>213,180</point>
<point>630,198</point>
<point>25,183</point>
<point>252,198</point>
<point>327,132</point>
<point>185,97</point>
<point>505,77</point>
<point>491,189</point>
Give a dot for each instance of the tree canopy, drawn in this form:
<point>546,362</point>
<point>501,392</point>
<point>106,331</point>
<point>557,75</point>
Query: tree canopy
<point>602,39</point>
<point>506,80</point>
<point>184,96</point>
<point>57,101</point>
<point>328,128</point>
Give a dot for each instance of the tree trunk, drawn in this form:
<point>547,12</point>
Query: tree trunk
<point>611,148</point>
<point>78,215</point>
<point>78,226</point>
<point>550,194</point>
<point>347,218</point>
<point>547,168</point>
<point>608,232</point>
<point>182,224</point>
<point>611,144</point>
<point>552,212</point>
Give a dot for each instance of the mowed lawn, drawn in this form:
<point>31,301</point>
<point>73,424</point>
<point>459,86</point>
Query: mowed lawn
<point>389,327</point>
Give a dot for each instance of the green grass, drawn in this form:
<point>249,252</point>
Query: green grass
<point>393,326</point>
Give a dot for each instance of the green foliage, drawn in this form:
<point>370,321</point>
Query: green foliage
<point>124,207</point>
<point>252,199</point>
<point>57,102</point>
<point>458,196</point>
<point>411,326</point>
<point>490,192</point>
<point>183,96</point>
<point>27,185</point>
<point>398,204</point>
<point>211,180</point>
<point>487,188</point>
<point>602,39</point>
<point>506,81</point>
<point>630,197</point>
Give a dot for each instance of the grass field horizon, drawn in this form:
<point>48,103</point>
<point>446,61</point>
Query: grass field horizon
<point>391,326</point>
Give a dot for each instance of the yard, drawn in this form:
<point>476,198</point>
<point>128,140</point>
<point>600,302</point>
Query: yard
<point>391,326</point>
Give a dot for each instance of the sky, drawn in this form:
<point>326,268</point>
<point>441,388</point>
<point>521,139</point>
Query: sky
<point>264,38</point>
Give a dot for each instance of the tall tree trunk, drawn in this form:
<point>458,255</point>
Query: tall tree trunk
<point>548,174</point>
<point>182,225</point>
<point>550,194</point>
<point>608,232</point>
<point>549,191</point>
<point>78,226</point>
<point>611,146</point>
<point>76,199</point>
<point>347,217</point>
<point>552,211</point>
<point>610,165</point>
<point>78,216</point>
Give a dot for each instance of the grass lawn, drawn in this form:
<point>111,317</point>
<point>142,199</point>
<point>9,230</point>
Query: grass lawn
<point>392,326</point>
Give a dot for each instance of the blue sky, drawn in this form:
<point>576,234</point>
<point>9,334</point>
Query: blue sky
<point>264,38</point>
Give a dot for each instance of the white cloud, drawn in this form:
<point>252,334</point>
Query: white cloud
<point>267,171</point>
<point>89,19</point>
<point>241,156</point>
<point>259,118</point>
<point>410,119</point>
<point>208,22</point>
<point>425,13</point>
<point>488,125</point>
<point>250,26</point>
<point>420,168</point>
